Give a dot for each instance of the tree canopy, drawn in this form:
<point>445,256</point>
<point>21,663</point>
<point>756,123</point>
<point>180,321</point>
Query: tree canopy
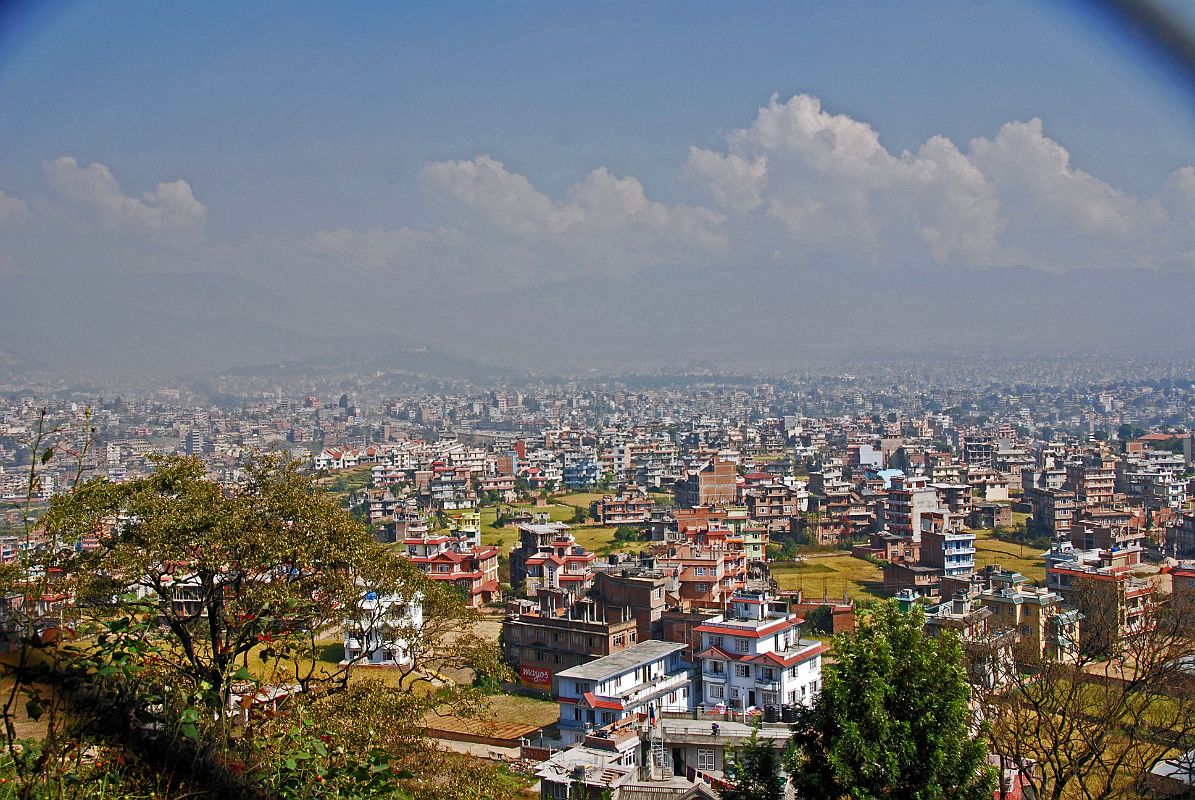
<point>893,719</point>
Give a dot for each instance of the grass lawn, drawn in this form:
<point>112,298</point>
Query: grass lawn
<point>832,574</point>
<point>591,537</point>
<point>1025,560</point>
<point>527,710</point>
<point>579,499</point>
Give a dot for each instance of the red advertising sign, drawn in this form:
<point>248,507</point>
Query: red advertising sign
<point>537,677</point>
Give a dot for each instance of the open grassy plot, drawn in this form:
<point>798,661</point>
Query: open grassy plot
<point>1024,559</point>
<point>579,499</point>
<point>831,574</point>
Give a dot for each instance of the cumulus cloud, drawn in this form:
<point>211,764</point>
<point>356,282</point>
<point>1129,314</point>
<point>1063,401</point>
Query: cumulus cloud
<point>828,180</point>
<point>13,210</point>
<point>603,215</point>
<point>95,190</point>
<point>1014,198</point>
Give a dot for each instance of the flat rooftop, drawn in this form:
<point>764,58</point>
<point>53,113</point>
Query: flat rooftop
<point>625,661</point>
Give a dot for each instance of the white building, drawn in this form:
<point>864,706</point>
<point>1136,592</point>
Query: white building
<point>753,656</point>
<point>647,678</point>
<point>381,633</point>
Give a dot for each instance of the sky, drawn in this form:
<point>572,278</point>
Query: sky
<point>445,149</point>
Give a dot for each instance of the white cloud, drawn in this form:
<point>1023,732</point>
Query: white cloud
<point>605,219</point>
<point>831,184</point>
<point>13,210</point>
<point>736,183</point>
<point>95,190</point>
<point>1037,182</point>
<point>1015,198</point>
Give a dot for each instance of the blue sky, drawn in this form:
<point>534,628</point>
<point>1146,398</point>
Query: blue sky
<point>290,119</point>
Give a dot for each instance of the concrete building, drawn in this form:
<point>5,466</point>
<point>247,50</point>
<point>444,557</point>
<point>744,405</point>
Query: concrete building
<point>645,679</point>
<point>753,656</point>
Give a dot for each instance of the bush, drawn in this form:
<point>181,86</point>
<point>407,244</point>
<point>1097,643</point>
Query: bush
<point>627,533</point>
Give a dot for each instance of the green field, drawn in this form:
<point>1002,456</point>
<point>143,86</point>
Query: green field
<point>1025,560</point>
<point>832,575</point>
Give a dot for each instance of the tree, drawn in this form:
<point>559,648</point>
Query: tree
<point>754,771</point>
<point>1093,721</point>
<point>626,533</point>
<point>195,595</point>
<point>893,718</point>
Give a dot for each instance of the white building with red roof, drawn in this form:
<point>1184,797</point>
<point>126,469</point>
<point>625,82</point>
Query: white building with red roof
<point>753,656</point>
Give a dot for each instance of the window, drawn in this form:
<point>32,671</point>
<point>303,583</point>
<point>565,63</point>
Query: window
<point>767,674</point>
<point>700,571</point>
<point>607,717</point>
<point>582,688</point>
<point>715,641</point>
<point>713,667</point>
<point>701,587</point>
<point>717,692</point>
<point>576,713</point>
<point>705,759</point>
<point>742,670</point>
<point>741,645</point>
<point>560,791</point>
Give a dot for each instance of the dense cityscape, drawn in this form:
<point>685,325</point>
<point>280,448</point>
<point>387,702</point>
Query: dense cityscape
<point>680,548</point>
<point>678,400</point>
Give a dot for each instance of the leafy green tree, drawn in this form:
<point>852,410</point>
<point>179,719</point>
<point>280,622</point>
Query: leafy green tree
<point>754,770</point>
<point>893,719</point>
<point>197,596</point>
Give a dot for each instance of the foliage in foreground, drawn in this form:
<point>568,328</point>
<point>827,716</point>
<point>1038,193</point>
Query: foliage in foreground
<point>193,665</point>
<point>893,719</point>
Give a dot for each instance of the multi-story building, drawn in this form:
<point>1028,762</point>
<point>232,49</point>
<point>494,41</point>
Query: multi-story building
<point>945,547</point>
<point>1037,615</point>
<point>1113,603</point>
<point>1094,485</point>
<point>539,642</point>
<point>470,568</point>
<point>772,505</point>
<point>754,656</point>
<point>713,483</point>
<point>1053,511</point>
<point>987,652</point>
<point>379,633</point>
<point>645,679</point>
<point>628,508</point>
<point>908,499</point>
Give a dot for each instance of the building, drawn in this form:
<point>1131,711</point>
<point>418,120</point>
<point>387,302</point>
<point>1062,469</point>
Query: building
<point>713,483</point>
<point>1053,512</point>
<point>754,657</point>
<point>380,632</point>
<point>541,641</point>
<point>1113,604</point>
<point>628,508</point>
<point>987,650</point>
<point>1047,627</point>
<point>471,569</point>
<point>645,679</point>
<point>947,549</point>
<point>908,499</point>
